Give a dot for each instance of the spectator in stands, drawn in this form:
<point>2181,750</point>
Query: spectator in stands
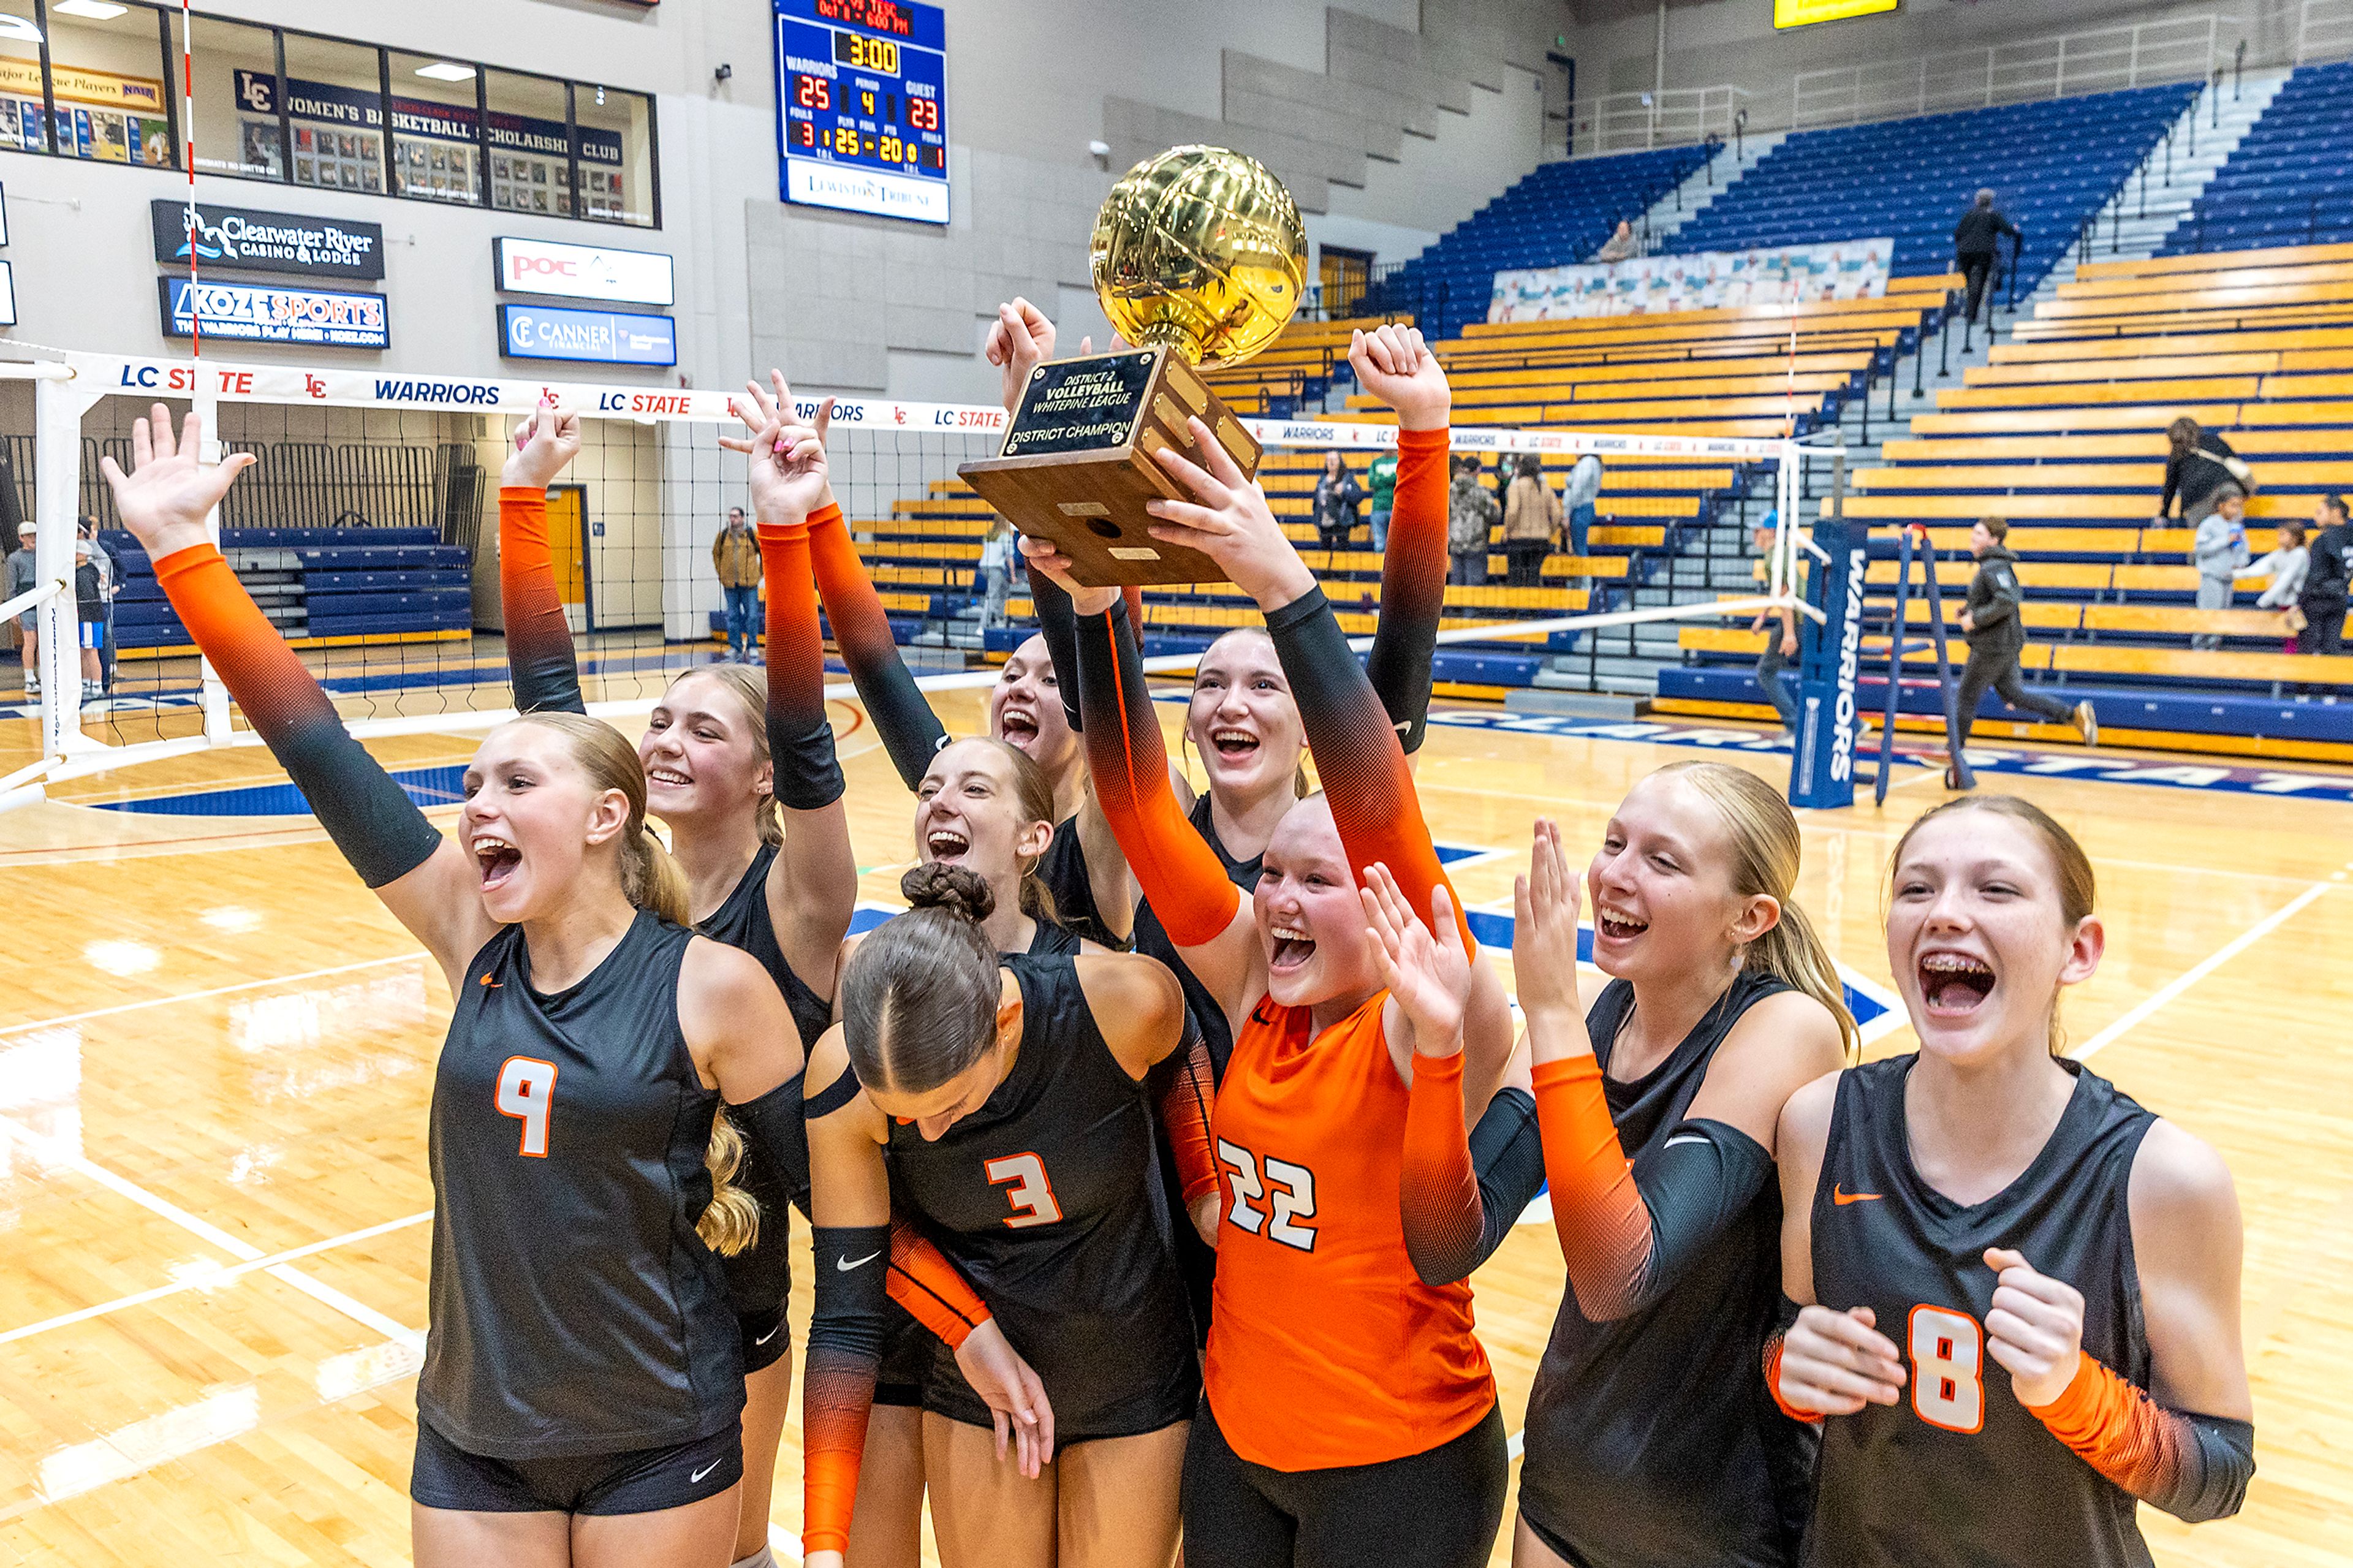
<point>1382,477</point>
<point>2199,467</point>
<point>1781,640</point>
<point>996,553</point>
<point>2218,550</point>
<point>737,555</point>
<point>89,604</point>
<point>21,579</point>
<point>1471,510</point>
<point>1997,634</point>
<point>113,580</point>
<point>1584,494</point>
<point>1620,246</point>
<point>1531,523</point>
<point>1976,246</point>
<point>2325,584</point>
<point>1337,497</point>
<point>2285,565</point>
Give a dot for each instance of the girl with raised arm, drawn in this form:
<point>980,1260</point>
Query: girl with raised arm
<point>2016,1292</point>
<point>1657,1095</point>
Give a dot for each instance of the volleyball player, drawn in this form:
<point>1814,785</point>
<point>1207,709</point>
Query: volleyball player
<point>1001,1101</point>
<point>583,1380</point>
<point>1647,1441</point>
<point>2018,1289</point>
<point>1348,1415</point>
<point>740,766</point>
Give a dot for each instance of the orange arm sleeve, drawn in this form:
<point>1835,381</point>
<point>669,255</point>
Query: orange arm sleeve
<point>540,661</point>
<point>1597,1211</point>
<point>2193,1466</point>
<point>1185,1107</point>
<point>1773,1347</point>
<point>1438,1203</point>
<point>911,731</point>
<point>927,1285</point>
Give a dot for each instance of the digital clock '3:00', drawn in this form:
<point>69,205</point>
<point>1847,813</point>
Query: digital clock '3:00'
<point>862,53</point>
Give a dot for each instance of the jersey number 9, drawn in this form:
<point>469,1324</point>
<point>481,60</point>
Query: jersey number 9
<point>526,1092</point>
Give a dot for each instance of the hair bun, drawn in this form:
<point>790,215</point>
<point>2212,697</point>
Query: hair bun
<point>964,894</point>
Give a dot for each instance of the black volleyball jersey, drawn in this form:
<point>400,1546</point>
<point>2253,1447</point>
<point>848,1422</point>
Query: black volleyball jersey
<point>1052,941</point>
<point>574,1309</point>
<point>1956,1472</point>
<point>1063,869</point>
<point>1651,1439</point>
<point>1152,938</point>
<point>761,1277</point>
<point>1048,1199</point>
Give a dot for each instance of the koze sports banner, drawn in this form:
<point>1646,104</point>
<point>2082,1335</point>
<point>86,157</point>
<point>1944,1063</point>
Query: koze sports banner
<point>583,272</point>
<point>598,337</point>
<point>246,239</point>
<point>1713,280</point>
<point>259,314</point>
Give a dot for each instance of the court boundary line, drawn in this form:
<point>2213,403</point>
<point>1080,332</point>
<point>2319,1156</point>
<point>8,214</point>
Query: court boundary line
<point>2148,1006</point>
<point>200,996</point>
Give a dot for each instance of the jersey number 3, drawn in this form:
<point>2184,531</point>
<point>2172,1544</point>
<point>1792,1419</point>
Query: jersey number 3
<point>1288,1191</point>
<point>526,1092</point>
<point>1031,1195</point>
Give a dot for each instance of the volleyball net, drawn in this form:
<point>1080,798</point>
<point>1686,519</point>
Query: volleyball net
<point>367,532</point>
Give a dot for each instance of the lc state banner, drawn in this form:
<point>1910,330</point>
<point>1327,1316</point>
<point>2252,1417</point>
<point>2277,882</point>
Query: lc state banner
<point>1713,280</point>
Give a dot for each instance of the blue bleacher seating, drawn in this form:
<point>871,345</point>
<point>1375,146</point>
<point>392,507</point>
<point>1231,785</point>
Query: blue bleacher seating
<point>314,582</point>
<point>2290,182</point>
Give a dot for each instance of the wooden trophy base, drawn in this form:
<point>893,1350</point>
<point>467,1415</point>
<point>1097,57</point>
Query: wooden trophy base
<point>1077,463</point>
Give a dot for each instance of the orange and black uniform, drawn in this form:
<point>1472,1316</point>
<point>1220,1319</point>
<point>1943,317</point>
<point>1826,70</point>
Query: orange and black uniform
<point>1957,1471</point>
<point>1349,1412</point>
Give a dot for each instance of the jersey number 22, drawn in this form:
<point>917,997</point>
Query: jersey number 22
<point>1288,1191</point>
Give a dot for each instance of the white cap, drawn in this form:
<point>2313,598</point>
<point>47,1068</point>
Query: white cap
<point>26,527</point>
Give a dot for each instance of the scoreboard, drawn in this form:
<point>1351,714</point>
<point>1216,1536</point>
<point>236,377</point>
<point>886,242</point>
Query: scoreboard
<point>862,106</point>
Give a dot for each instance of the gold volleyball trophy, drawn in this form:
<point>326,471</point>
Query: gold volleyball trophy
<point>1199,258</point>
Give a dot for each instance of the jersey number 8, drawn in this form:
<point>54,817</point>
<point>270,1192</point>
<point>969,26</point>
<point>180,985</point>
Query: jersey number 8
<point>1948,1369</point>
<point>1289,1192</point>
<point>527,1092</point>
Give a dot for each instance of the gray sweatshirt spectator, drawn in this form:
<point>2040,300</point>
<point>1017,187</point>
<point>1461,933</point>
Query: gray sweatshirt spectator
<point>1620,246</point>
<point>2285,566</point>
<point>2218,550</point>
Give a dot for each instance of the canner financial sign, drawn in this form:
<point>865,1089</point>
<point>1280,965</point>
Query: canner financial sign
<point>246,239</point>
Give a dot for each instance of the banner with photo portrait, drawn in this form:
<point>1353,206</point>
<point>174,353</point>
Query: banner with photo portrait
<point>1711,280</point>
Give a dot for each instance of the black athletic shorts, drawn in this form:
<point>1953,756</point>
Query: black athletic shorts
<point>1434,1509</point>
<point>766,1340</point>
<point>906,1361</point>
<point>646,1481</point>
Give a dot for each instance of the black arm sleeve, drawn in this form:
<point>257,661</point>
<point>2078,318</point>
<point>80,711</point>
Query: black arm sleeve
<point>772,1125</point>
<point>851,1314</point>
<point>1058,623</point>
<point>1509,1157</point>
<point>2216,1487</point>
<point>1695,1183</point>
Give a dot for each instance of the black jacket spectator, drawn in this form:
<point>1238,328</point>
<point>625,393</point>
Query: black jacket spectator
<point>2326,588</point>
<point>1336,500</point>
<point>1976,234</point>
<point>2195,478</point>
<point>1994,594</point>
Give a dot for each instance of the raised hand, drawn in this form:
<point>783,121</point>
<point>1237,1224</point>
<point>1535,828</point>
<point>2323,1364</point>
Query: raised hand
<point>167,496</point>
<point>1230,521</point>
<point>1836,1362</point>
<point>1016,1399</point>
<point>1544,949</point>
<point>1428,976</point>
<point>544,444</point>
<point>1019,342</point>
<point>2035,1328</point>
<point>787,456</point>
<point>1394,364</point>
<point>1045,557</point>
<point>758,410</point>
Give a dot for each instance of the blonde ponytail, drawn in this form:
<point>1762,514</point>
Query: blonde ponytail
<point>651,878</point>
<point>1766,848</point>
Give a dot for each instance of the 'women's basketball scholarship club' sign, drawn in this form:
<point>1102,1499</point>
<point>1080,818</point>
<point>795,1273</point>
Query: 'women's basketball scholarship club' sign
<point>1713,280</point>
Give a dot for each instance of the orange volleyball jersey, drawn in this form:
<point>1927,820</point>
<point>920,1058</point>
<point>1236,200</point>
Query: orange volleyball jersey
<point>1325,1347</point>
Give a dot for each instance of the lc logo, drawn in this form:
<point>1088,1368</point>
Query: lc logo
<point>314,385</point>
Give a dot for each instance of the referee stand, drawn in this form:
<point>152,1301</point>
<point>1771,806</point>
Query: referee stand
<point>1900,646</point>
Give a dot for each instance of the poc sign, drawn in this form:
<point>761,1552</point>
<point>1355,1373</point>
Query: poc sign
<point>583,272</point>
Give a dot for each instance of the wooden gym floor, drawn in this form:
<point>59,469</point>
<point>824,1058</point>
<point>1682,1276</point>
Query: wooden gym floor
<point>216,1050</point>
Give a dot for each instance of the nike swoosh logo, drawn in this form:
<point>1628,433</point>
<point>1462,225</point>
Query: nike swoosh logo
<point>703,1472</point>
<point>490,982</point>
<point>845,1265</point>
<point>1844,1198</point>
<point>1688,1138</point>
<point>771,1334</point>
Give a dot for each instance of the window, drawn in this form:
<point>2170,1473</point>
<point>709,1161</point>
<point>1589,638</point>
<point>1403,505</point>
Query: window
<point>238,130</point>
<point>107,78</point>
<point>335,113</point>
<point>20,79</point>
<point>616,154</point>
<point>436,140</point>
<point>531,159</point>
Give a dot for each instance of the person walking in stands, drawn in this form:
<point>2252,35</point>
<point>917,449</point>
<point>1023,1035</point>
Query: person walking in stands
<point>1471,510</point>
<point>1975,239</point>
<point>1997,634</point>
<point>90,603</point>
<point>1783,560</point>
<point>1337,497</point>
<point>2218,550</point>
<point>1620,246</point>
<point>2321,599</point>
<point>1531,523</point>
<point>2199,467</point>
<point>1583,494</point>
<point>109,580</point>
<point>21,579</point>
<point>1381,478</point>
<point>2285,566</point>
<point>735,553</point>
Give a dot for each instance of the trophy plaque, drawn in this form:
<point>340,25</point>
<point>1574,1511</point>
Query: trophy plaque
<point>1199,258</point>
